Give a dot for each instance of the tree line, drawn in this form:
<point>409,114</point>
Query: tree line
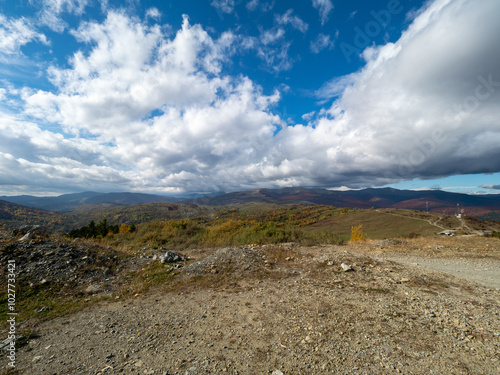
<point>103,229</point>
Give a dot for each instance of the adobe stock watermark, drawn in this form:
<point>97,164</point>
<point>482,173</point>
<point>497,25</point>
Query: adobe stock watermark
<point>484,90</point>
<point>426,148</point>
<point>364,36</point>
<point>422,152</point>
<point>11,313</point>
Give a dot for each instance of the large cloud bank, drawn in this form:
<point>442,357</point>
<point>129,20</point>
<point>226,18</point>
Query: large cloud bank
<point>142,108</point>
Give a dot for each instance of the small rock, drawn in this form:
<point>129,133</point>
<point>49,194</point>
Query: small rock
<point>42,309</point>
<point>171,257</point>
<point>5,344</point>
<point>27,237</point>
<point>277,372</point>
<point>92,288</point>
<point>346,267</point>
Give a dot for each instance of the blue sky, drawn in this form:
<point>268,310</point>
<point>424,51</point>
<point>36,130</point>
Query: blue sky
<point>189,97</point>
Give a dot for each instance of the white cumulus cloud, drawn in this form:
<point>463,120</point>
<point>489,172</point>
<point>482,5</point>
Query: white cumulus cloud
<point>324,8</point>
<point>289,19</point>
<point>226,6</point>
<point>321,42</point>
<point>51,10</point>
<point>159,109</point>
<point>17,32</point>
<point>423,107</point>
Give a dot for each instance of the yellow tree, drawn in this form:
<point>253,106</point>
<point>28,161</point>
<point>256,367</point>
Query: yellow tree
<point>124,229</point>
<point>357,233</point>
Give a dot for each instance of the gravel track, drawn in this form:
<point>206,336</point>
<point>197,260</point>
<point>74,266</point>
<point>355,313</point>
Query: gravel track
<point>484,271</point>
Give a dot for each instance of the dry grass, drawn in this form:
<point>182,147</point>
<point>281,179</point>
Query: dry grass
<point>283,255</point>
<point>376,225</point>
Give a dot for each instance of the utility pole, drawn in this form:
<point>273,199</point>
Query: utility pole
<point>427,207</point>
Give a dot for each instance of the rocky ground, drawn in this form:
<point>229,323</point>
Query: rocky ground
<point>271,310</point>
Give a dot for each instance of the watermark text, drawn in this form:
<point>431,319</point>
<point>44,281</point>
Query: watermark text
<point>11,312</point>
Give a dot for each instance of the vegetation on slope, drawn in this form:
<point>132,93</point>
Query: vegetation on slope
<point>13,215</point>
<point>263,224</point>
<point>233,228</point>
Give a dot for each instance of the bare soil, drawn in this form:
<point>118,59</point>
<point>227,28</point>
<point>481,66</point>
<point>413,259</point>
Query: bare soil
<point>471,258</point>
<point>293,310</point>
<point>485,271</point>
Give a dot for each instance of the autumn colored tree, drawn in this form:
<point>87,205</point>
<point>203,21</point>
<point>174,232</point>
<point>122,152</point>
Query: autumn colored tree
<point>124,229</point>
<point>357,234</point>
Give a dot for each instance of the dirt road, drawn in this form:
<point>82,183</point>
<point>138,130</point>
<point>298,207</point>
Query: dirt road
<point>484,271</point>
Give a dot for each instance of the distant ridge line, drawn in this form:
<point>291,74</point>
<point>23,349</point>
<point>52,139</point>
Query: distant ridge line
<point>435,200</point>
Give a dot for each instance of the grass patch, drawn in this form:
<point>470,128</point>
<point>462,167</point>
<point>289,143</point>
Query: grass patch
<point>40,303</point>
<point>376,225</point>
<point>495,234</point>
<point>10,371</point>
<point>152,275</point>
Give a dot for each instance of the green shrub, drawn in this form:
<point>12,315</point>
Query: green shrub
<point>177,234</point>
<point>268,233</point>
<point>327,237</point>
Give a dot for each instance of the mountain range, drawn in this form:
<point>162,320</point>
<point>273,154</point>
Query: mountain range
<point>366,198</point>
<point>71,202</point>
<point>433,200</point>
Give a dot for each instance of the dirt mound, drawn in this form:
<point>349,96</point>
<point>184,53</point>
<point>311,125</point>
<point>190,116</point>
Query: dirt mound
<point>229,259</point>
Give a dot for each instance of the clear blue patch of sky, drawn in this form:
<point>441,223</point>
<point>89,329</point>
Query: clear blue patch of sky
<point>460,183</point>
